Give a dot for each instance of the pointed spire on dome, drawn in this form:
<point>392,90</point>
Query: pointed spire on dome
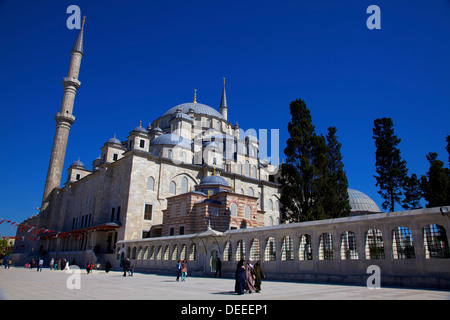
<point>79,43</point>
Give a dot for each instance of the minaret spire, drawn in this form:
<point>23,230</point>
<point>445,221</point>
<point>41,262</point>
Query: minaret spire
<point>223,103</point>
<point>64,119</point>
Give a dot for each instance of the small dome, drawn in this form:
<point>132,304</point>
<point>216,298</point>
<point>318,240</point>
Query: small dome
<point>171,139</point>
<point>114,140</point>
<point>214,180</point>
<point>77,163</point>
<point>361,203</point>
<point>139,129</point>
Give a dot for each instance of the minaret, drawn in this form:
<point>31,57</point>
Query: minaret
<point>223,103</point>
<point>64,119</point>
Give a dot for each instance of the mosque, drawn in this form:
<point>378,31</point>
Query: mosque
<point>189,170</point>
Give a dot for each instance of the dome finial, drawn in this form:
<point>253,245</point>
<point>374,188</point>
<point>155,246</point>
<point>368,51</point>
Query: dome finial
<point>214,172</point>
<point>195,95</point>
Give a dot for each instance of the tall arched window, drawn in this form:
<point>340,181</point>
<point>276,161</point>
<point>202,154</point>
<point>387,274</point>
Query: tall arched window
<point>374,244</point>
<point>270,251</point>
<point>247,212</point>
<point>150,184</point>
<point>247,168</point>
<point>435,242</point>
<point>172,188</point>
<point>184,185</point>
<point>234,209</point>
<point>402,243</point>
<point>305,249</point>
<point>287,249</point>
<point>254,250</point>
<point>250,192</point>
<point>348,246</point>
<point>240,250</point>
<point>326,247</point>
<point>228,251</point>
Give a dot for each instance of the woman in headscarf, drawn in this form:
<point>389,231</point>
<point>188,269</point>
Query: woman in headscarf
<point>259,275</point>
<point>250,277</point>
<point>239,286</point>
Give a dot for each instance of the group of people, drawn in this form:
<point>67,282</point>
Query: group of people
<point>127,267</point>
<point>248,277</point>
<point>181,269</point>
<point>60,264</point>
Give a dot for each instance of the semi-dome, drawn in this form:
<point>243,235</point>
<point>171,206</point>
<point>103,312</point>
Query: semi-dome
<point>214,180</point>
<point>360,203</point>
<point>198,108</point>
<point>171,139</point>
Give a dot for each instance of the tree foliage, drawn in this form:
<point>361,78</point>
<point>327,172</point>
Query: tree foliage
<point>390,168</point>
<point>310,190</point>
<point>436,183</point>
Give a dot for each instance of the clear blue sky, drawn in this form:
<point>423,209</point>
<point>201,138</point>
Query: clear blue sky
<point>144,57</point>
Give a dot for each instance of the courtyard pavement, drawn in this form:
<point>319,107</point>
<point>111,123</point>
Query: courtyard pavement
<point>24,284</point>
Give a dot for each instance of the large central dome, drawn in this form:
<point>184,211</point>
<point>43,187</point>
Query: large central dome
<point>198,108</point>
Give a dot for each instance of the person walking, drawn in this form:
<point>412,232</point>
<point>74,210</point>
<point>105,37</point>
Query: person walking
<point>239,286</point>
<point>183,270</point>
<point>126,266</point>
<point>259,275</point>
<point>40,264</point>
<point>218,268</point>
<point>9,263</point>
<point>249,277</point>
<point>108,266</point>
<point>52,263</point>
<point>178,269</point>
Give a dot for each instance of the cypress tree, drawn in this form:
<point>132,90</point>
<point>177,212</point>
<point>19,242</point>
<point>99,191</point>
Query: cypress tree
<point>412,193</point>
<point>436,183</point>
<point>297,174</point>
<point>391,169</point>
<point>339,201</point>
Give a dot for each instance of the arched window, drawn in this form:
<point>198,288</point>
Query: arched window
<point>270,221</point>
<point>228,251</point>
<point>170,154</point>
<point>247,168</point>
<point>192,252</point>
<point>287,249</point>
<point>374,244</point>
<point>166,252</point>
<point>270,250</point>
<point>133,256</point>
<point>348,246</point>
<point>172,188</point>
<point>435,242</point>
<point>254,250</point>
<point>305,249</point>
<point>240,250</point>
<point>183,252</point>
<point>402,243</point>
<point>255,172</point>
<point>184,185</point>
<point>250,192</point>
<point>145,255</point>
<point>151,256</point>
<point>247,212</point>
<point>150,184</point>
<point>175,252</point>
<point>326,247</point>
<point>159,253</point>
<point>234,209</point>
<point>270,205</point>
<point>139,253</point>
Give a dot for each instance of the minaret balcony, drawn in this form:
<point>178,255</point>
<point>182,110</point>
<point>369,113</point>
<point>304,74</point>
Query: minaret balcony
<point>64,117</point>
<point>70,81</point>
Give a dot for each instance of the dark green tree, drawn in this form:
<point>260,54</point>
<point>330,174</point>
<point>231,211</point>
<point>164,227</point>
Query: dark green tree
<point>448,149</point>
<point>390,168</point>
<point>339,205</point>
<point>412,192</point>
<point>435,184</point>
<point>297,174</point>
